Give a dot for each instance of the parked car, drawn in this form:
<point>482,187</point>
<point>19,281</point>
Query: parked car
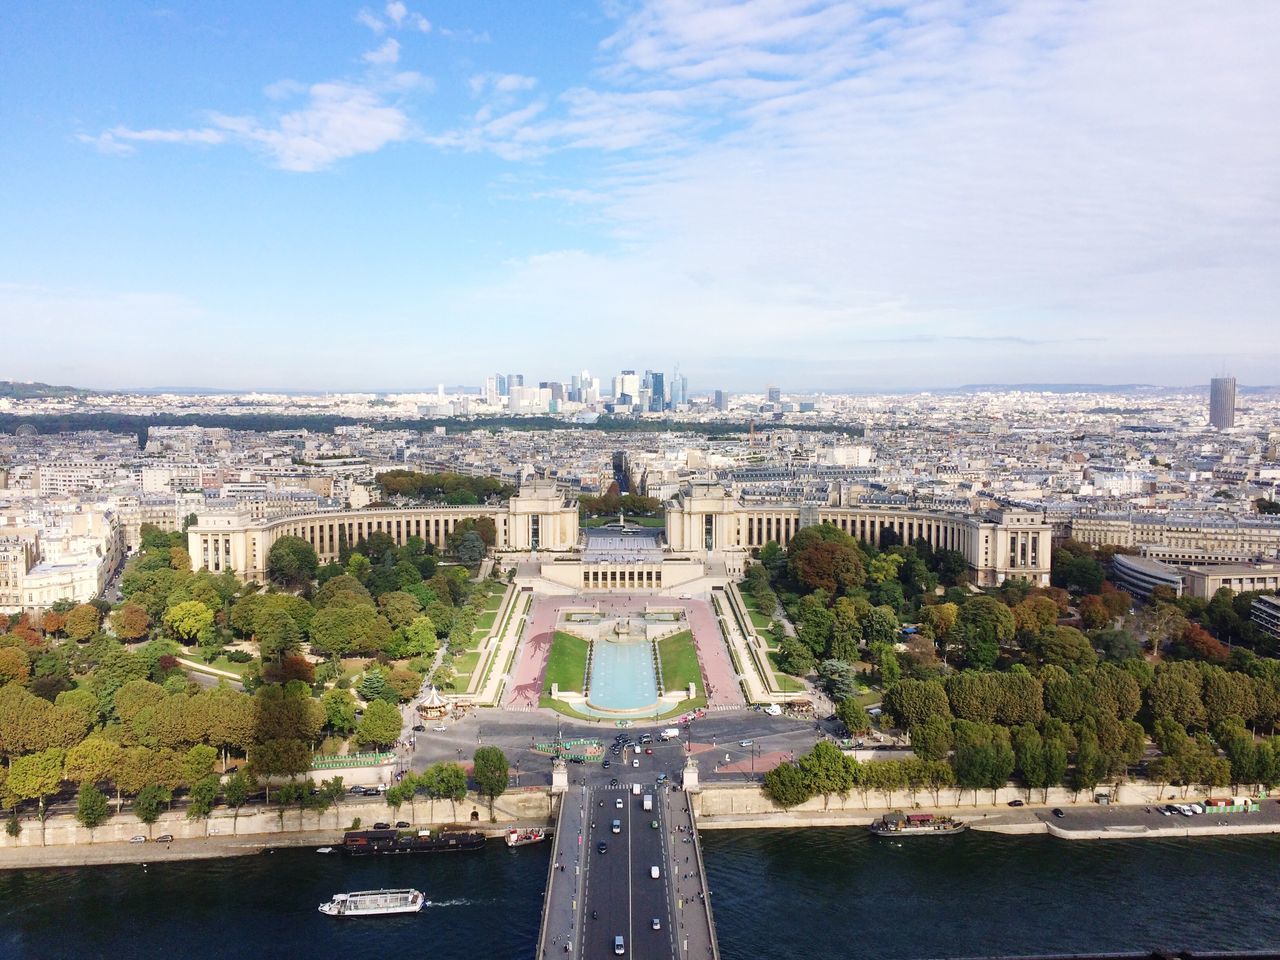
<point>419,728</point>
<point>1165,811</point>
<point>646,738</point>
<point>1057,812</point>
<point>165,838</point>
<point>370,791</point>
<point>604,764</point>
<point>138,839</point>
<point>663,778</point>
<point>382,826</point>
<point>440,729</point>
<point>402,824</point>
<point>357,789</point>
<point>1197,808</point>
<point>1017,803</point>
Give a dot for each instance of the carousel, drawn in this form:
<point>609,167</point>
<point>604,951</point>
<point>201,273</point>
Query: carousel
<point>433,706</point>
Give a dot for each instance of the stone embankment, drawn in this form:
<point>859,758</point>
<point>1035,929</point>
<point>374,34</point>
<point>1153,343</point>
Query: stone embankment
<point>64,842</point>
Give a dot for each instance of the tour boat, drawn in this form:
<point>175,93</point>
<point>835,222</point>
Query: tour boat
<point>373,903</point>
<point>522,838</point>
<point>914,824</point>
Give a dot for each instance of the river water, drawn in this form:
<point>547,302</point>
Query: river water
<point>813,894</point>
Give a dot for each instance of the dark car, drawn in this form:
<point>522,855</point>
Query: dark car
<point>1057,812</point>
<point>370,791</point>
<point>165,838</point>
<point>419,728</point>
<point>382,826</point>
<point>1017,803</point>
<point>357,789</point>
<point>613,782</point>
<point>602,848</point>
<point>402,824</point>
<point>605,764</point>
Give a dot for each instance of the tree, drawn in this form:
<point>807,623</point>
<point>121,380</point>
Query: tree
<point>1093,612</point>
<point>1066,647</point>
<point>833,568</point>
<point>236,792</point>
<point>82,622</point>
<point>338,630</point>
<point>470,548</point>
<point>399,608</point>
<point>203,796</point>
<point>853,715</point>
<point>983,625</point>
<point>445,781</point>
<point>15,667</point>
<point>490,773</point>
<point>826,770</point>
<point>292,562</point>
<point>913,702</point>
<point>36,776</point>
<point>1117,645</point>
<point>91,808</point>
<point>150,802</point>
<point>786,786</point>
<point>795,657</point>
<point>380,726</point>
<point>931,739</point>
<point>838,678</point>
<point>339,711</point>
<point>187,619</point>
<point>130,622</point>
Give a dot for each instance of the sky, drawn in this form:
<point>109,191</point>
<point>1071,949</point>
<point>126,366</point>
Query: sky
<point>819,194</point>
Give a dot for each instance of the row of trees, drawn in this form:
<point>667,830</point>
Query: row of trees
<point>450,488</point>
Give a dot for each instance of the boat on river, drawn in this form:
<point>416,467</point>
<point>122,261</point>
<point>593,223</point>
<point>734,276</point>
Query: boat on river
<point>361,842</point>
<point>373,903</point>
<point>522,838</point>
<point>898,824</point>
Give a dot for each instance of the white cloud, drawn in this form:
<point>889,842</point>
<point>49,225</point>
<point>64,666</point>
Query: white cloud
<point>370,19</point>
<point>121,139</point>
<point>387,53</point>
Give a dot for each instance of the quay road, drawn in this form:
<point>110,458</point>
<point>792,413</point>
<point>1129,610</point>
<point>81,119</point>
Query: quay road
<point>594,897</point>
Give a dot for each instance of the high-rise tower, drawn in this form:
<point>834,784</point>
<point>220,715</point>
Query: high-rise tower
<point>1222,402</point>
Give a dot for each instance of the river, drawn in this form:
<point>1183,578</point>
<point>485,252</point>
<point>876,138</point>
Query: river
<point>816,894</point>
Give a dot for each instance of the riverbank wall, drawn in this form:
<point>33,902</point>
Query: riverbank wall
<point>62,841</point>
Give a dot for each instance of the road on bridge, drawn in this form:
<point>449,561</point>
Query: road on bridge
<point>622,897</point>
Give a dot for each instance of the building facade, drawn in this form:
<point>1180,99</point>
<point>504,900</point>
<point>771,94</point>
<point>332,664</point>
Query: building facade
<point>1207,539</point>
<point>1222,402</point>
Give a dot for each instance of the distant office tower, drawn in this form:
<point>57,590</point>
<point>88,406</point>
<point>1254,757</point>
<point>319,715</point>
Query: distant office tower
<point>501,383</point>
<point>1222,402</point>
<point>679,391</point>
<point>722,400</point>
<point>658,399</point>
<point>575,388</point>
<point>774,394</point>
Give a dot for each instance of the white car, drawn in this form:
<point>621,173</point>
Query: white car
<point>138,839</point>
<point>655,872</point>
<point>441,729</point>
<point>746,743</point>
<point>635,763</point>
<point>618,803</point>
<point>657,924</point>
<point>1197,808</point>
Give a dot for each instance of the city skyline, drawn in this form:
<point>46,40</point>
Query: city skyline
<point>803,193</point>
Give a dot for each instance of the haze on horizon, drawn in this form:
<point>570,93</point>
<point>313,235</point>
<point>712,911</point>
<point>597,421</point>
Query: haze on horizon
<point>804,192</point>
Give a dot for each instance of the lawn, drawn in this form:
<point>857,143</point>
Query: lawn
<point>759,620</point>
<point>494,602</point>
<point>679,662</point>
<point>485,620</point>
<point>787,683</point>
<point>566,663</point>
<point>636,521</point>
<point>220,663</point>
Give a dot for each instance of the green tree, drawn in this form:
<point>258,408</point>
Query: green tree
<point>91,808</point>
<point>490,773</point>
<point>380,726</point>
<point>339,711</point>
<point>203,796</point>
<point>984,624</point>
<point>187,619</point>
<point>36,776</point>
<point>292,562</point>
<point>150,803</point>
<point>787,786</point>
<point>237,790</point>
<point>912,702</point>
<point>82,622</point>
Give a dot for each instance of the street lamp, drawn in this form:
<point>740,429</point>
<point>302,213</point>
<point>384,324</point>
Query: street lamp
<point>517,774</point>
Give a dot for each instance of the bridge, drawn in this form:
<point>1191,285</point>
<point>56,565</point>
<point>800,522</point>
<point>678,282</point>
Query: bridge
<point>601,882</point>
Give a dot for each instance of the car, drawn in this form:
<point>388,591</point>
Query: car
<point>382,826</point>
<point>577,760</point>
<point>139,838</point>
<point>663,778</point>
<point>746,743</point>
<point>1017,803</point>
<point>613,782</point>
<point>402,824</point>
<point>657,924</point>
<point>618,803</point>
<point>646,738</point>
<point>605,763</point>
<point>655,873</point>
<point>619,945</point>
<point>602,847</point>
<point>654,824</point>
<point>165,838</point>
<point>615,750</point>
<point>616,827</point>
<point>648,751</point>
<point>419,728</point>
<point>635,763</point>
<point>1057,812</point>
<point>1197,808</point>
<point>357,789</point>
<point>619,738</point>
<point>441,729</point>
<point>1165,811</point>
<point>370,791</point>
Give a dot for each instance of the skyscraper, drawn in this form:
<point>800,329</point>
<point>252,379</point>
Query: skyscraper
<point>1222,402</point>
<point>722,401</point>
<point>774,394</point>
<point>658,401</point>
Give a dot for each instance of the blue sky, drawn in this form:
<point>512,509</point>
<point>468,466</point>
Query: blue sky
<point>805,192</point>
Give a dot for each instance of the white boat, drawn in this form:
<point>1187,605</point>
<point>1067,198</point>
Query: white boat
<point>522,838</point>
<point>324,849</point>
<point>373,903</point>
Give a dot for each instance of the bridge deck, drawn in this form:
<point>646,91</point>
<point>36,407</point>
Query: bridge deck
<point>594,897</point>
